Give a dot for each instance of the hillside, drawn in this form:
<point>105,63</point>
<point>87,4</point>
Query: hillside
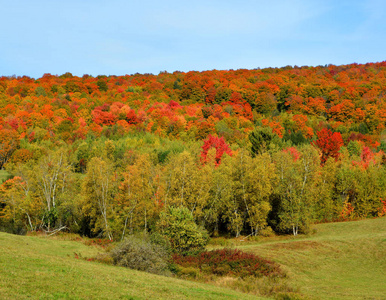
<point>45,268</point>
<point>245,152</point>
<point>340,261</point>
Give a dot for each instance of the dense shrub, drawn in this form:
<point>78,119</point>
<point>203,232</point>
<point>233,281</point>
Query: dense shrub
<point>177,224</point>
<point>231,262</point>
<point>140,254</point>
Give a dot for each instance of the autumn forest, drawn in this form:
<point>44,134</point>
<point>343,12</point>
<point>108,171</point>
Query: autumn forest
<point>246,152</point>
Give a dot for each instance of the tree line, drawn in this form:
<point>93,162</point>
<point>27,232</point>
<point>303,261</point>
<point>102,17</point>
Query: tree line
<point>112,188</point>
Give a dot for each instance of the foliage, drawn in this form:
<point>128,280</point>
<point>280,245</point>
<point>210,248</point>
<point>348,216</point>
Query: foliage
<point>295,189</point>
<point>219,144</point>
<point>97,190</point>
<point>262,139</point>
<point>329,143</point>
<point>177,224</point>
<point>104,156</point>
<point>8,144</point>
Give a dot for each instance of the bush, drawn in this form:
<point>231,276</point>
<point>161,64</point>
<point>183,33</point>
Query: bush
<point>266,231</point>
<point>158,239</point>
<point>140,254</point>
<point>231,262</point>
<point>177,224</point>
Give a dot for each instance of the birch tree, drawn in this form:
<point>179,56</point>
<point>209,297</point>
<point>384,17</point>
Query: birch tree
<point>97,189</point>
<point>296,188</point>
<point>139,194</point>
<point>187,184</point>
<point>51,177</point>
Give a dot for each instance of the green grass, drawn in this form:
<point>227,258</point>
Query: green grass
<point>45,268</point>
<point>340,261</point>
<point>4,175</point>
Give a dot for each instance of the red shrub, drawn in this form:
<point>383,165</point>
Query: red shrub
<point>232,262</point>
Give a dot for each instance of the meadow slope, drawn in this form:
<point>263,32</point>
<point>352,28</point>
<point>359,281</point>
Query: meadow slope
<point>44,268</point>
<point>340,261</point>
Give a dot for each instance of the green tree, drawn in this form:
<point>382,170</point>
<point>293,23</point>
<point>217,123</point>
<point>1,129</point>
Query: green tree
<point>177,224</point>
<point>186,184</point>
<point>260,179</point>
<point>262,140</point>
<point>98,190</point>
<point>295,188</point>
<point>20,209</point>
<point>251,187</point>
<point>102,85</point>
<point>52,180</point>
<point>326,206</point>
<point>220,191</point>
<point>370,186</point>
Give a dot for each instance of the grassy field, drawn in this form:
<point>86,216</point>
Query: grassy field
<point>45,268</point>
<point>340,261</point>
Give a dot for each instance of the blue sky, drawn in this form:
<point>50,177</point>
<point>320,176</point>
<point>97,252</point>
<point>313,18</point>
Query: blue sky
<point>124,37</point>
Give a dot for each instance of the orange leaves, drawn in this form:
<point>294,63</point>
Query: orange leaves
<point>9,141</point>
<point>316,106</point>
<point>347,211</point>
<point>382,209</point>
<point>301,121</point>
<point>21,156</point>
<point>350,94</point>
<point>275,126</point>
<point>193,110</point>
<point>131,117</point>
<point>342,111</point>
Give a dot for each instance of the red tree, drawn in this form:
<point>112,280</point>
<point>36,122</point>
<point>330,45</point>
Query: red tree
<point>329,143</point>
<point>219,144</point>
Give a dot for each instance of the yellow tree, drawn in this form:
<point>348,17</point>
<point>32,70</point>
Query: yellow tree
<point>187,184</point>
<point>251,187</point>
<point>139,194</point>
<point>20,208</point>
<point>219,193</point>
<point>326,206</point>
